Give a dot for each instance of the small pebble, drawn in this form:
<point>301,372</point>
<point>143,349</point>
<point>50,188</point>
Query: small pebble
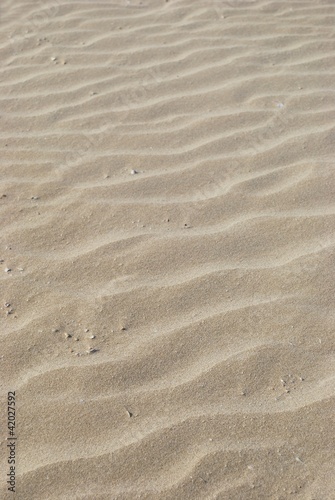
<point>91,350</point>
<point>53,58</point>
<point>34,198</point>
<point>67,335</point>
<point>92,337</point>
<point>133,172</point>
<point>7,270</point>
<point>7,304</point>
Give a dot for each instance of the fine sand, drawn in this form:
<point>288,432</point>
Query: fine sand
<point>167,248</point>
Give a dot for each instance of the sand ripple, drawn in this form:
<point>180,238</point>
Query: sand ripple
<point>204,282</point>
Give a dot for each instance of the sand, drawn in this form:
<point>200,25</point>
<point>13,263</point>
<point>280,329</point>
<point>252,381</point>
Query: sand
<point>167,244</point>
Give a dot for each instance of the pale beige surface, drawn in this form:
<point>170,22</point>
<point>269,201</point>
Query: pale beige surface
<point>207,278</point>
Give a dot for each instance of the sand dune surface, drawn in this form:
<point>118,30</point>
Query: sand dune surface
<point>167,248</point>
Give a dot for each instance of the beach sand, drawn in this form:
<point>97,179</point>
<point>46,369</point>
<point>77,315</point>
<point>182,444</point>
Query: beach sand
<point>167,248</point>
